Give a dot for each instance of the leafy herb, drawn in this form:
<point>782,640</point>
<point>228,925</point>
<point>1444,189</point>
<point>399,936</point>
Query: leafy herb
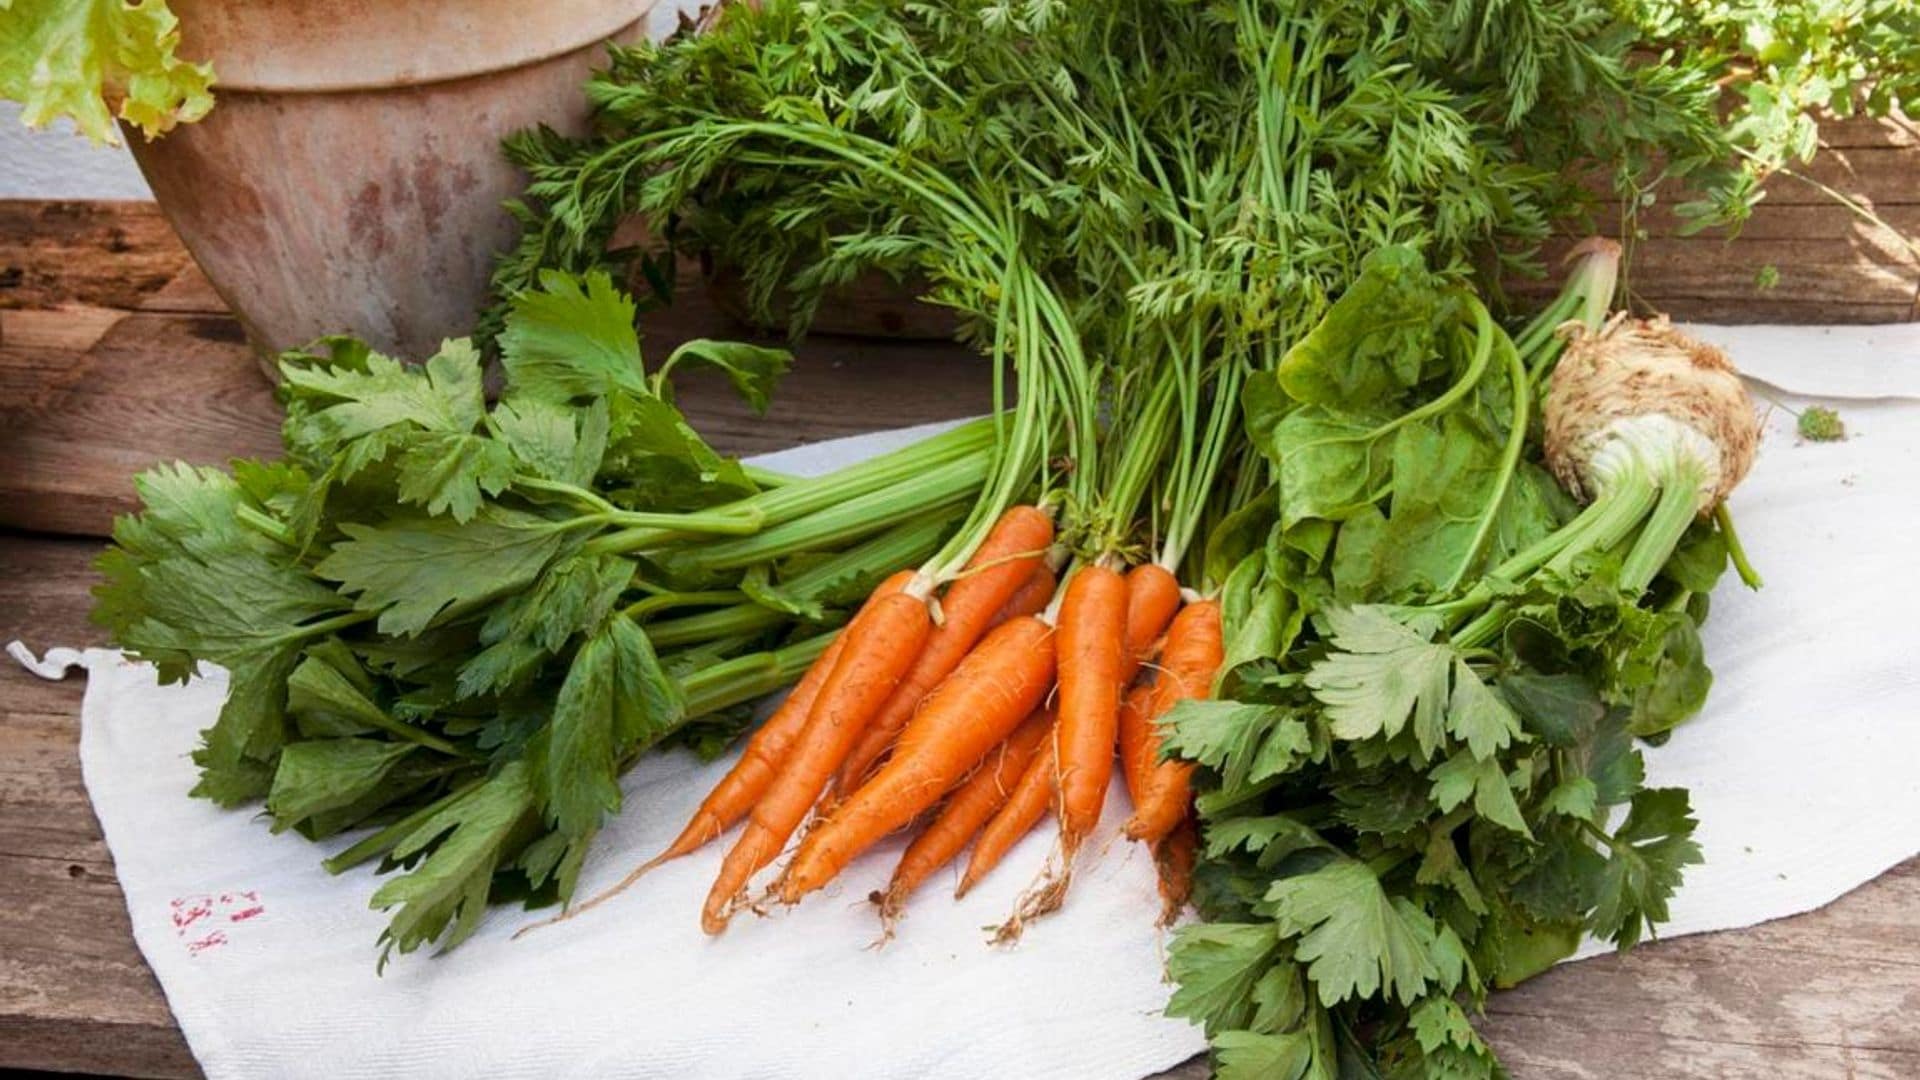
<point>451,623</point>
<point>1421,797</point>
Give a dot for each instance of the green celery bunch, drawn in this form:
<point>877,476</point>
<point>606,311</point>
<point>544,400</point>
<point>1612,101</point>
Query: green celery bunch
<point>454,623</point>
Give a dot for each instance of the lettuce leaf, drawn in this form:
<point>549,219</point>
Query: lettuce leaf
<point>90,60</point>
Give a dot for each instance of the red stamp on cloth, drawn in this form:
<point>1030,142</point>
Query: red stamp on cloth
<point>202,923</point>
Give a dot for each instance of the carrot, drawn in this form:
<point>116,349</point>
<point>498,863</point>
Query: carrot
<point>1092,649</point>
<point>735,794</point>
<point>967,809</point>
<point>880,645</point>
<point>997,571</point>
<point>1174,858</point>
<point>1032,598</point>
<point>1153,595</point>
<point>1025,805</point>
<point>998,685</point>
<point>1188,664</point>
<point>1137,742</point>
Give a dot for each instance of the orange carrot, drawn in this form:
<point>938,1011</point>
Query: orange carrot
<point>1188,664</point>
<point>1092,649</point>
<point>1153,595</point>
<point>881,643</point>
<point>1174,858</point>
<point>967,809</point>
<point>736,792</point>
<point>997,571</point>
<point>1024,808</point>
<point>1137,742</point>
<point>998,685</point>
<point>1032,598</point>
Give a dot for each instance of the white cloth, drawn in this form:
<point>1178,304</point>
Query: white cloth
<point>1801,766</point>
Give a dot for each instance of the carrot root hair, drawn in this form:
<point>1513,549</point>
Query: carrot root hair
<point>1041,899</point>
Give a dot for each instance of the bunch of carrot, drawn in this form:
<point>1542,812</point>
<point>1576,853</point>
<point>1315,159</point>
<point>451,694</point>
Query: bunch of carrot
<point>973,684</point>
<point>991,696</point>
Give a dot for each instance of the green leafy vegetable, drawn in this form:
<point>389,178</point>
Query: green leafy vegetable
<point>438,617</point>
<point>93,60</point>
<point>1416,799</point>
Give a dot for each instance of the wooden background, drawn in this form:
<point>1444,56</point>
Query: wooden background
<point>1833,265</point>
<point>114,351</point>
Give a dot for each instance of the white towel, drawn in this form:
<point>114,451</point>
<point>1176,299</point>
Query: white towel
<point>1802,766</point>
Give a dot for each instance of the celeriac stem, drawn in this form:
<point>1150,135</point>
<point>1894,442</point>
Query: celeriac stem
<point>1736,551</point>
<point>1603,523</point>
<point>1679,505</point>
<point>1623,506</point>
<point>1538,333</point>
<point>1587,296</point>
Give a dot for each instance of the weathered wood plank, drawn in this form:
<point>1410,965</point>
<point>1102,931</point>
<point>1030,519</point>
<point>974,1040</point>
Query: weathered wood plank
<point>71,327</point>
<point>77,426</point>
<point>1868,131</point>
<point>189,293</point>
<point>1879,175</point>
<point>1827,264</point>
<point>45,582</point>
<point>44,812</point>
<point>111,254</point>
<point>1826,994</point>
<point>177,385</point>
<point>1865,277</point>
<point>75,996</point>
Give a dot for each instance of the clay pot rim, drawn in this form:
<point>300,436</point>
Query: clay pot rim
<point>249,60</point>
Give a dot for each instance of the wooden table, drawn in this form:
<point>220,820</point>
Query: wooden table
<point>127,356</point>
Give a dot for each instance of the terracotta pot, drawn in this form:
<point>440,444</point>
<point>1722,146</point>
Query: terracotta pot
<point>349,179</point>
